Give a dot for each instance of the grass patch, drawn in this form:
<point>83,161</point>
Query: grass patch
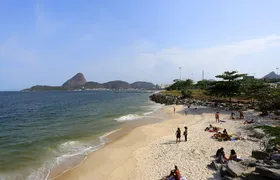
<point>272,131</point>
<point>173,93</point>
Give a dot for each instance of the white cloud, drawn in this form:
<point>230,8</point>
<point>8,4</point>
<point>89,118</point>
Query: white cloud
<point>161,66</point>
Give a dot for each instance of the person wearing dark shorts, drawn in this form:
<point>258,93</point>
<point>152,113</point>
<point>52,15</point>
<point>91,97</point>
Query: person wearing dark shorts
<point>186,133</point>
<point>178,135</point>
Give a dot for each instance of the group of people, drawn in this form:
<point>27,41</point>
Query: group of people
<point>222,136</point>
<point>178,134</point>
<point>211,128</point>
<point>221,158</point>
<point>234,115</point>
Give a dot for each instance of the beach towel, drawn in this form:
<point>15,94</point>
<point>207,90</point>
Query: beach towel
<point>183,178</point>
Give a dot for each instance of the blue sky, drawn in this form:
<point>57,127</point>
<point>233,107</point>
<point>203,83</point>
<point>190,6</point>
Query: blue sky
<point>47,42</point>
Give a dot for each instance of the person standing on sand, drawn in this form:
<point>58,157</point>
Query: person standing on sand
<point>217,116</point>
<point>186,133</point>
<point>241,115</point>
<point>178,135</point>
<point>174,109</point>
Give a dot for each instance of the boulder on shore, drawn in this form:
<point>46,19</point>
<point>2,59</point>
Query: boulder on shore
<point>268,172</point>
<point>260,155</point>
<point>235,169</point>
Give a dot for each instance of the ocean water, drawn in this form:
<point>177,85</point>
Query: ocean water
<point>41,131</point>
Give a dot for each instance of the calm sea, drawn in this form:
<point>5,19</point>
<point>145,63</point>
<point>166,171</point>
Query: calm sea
<point>40,131</point>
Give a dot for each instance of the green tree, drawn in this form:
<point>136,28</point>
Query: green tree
<point>251,88</point>
<point>268,99</point>
<point>181,85</point>
<point>227,87</point>
<point>204,84</point>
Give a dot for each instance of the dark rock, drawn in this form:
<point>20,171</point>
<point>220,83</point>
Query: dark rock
<point>260,155</point>
<point>227,178</point>
<point>235,169</point>
<point>276,157</point>
<point>268,172</point>
<point>223,171</point>
<point>275,165</point>
<point>213,166</point>
<point>258,133</point>
<point>256,176</point>
<point>249,163</point>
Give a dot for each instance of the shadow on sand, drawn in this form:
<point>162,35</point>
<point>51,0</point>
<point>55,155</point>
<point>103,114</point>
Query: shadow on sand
<point>170,142</point>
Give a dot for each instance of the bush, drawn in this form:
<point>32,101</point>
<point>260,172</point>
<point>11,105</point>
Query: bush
<point>186,94</point>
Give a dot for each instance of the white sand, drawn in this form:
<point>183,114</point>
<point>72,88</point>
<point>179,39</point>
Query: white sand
<point>150,152</point>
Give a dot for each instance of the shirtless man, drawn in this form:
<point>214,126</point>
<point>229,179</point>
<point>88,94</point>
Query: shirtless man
<point>217,116</point>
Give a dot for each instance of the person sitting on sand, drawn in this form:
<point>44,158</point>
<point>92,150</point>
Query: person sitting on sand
<point>225,135</point>
<point>232,114</point>
<point>178,135</point>
<point>186,133</point>
<point>219,151</point>
<point>249,122</point>
<point>233,155</point>
<point>174,174</point>
<point>221,158</point>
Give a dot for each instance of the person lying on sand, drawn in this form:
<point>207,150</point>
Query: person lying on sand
<point>208,128</point>
<point>217,135</point>
<point>249,122</point>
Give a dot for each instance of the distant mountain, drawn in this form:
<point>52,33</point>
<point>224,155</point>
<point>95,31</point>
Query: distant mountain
<point>142,85</point>
<point>75,82</point>
<point>116,85</point>
<point>271,75</point>
<point>92,85</point>
<point>79,82</point>
<point>46,88</point>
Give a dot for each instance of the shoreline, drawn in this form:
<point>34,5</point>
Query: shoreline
<point>153,147</point>
<point>112,136</point>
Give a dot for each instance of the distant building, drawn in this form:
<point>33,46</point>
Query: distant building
<point>248,77</point>
<point>163,86</point>
<point>272,85</point>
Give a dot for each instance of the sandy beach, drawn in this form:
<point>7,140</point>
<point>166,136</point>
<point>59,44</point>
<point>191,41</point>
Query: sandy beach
<point>149,152</point>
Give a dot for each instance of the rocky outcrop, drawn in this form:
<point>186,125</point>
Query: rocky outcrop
<point>170,99</point>
<point>75,82</point>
